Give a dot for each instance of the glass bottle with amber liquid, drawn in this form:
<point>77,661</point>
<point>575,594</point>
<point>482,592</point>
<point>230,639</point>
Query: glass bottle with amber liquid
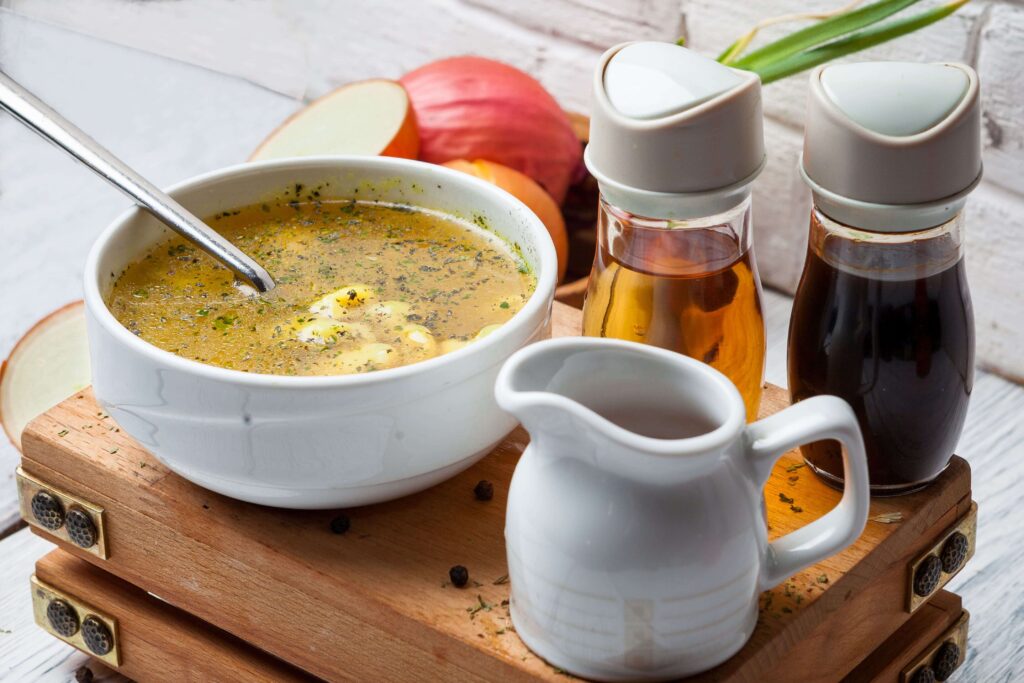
<point>882,316</point>
<point>690,286</point>
<point>675,143</point>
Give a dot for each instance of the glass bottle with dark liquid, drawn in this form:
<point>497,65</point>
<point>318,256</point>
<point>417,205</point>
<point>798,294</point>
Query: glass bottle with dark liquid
<point>688,286</point>
<point>885,322</point>
<point>882,316</point>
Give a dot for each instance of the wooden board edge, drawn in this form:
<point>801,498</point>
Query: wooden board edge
<point>903,647</point>
<point>156,638</point>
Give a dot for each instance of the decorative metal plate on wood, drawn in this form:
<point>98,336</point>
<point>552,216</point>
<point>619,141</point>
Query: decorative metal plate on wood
<point>938,564</point>
<point>76,623</point>
<point>942,658</point>
<point>61,514</point>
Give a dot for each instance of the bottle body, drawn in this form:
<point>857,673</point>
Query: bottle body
<point>688,286</point>
<point>884,321</point>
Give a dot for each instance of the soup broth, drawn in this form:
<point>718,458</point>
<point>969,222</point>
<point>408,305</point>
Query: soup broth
<point>361,286</point>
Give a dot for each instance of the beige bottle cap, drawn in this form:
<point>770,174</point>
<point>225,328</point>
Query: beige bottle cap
<point>673,134</point>
<point>892,146</point>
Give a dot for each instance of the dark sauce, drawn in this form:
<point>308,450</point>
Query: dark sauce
<point>901,352</point>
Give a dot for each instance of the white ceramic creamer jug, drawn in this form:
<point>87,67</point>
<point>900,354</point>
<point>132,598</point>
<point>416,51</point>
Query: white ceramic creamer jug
<point>635,531</point>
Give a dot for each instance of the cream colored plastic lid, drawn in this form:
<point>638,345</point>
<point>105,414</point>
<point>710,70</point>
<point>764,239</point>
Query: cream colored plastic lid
<point>673,134</point>
<point>892,146</point>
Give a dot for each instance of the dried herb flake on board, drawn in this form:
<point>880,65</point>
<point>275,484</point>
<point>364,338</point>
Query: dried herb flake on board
<point>887,518</point>
<point>786,499</point>
<point>481,605</point>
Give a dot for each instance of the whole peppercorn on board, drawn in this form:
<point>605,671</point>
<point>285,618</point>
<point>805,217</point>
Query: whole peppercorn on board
<point>366,593</point>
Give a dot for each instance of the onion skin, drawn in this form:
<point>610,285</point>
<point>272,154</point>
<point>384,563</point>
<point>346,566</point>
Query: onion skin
<point>523,188</point>
<point>477,108</point>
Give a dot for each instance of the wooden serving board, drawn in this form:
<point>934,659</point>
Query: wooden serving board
<point>375,603</point>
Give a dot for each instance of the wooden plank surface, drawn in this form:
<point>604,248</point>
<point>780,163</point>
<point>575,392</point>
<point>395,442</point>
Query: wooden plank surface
<point>382,585</point>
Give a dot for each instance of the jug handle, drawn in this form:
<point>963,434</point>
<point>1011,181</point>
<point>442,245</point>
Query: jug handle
<point>813,419</point>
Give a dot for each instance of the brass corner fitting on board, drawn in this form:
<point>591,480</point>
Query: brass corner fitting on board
<point>76,623</point>
<point>942,657</point>
<point>61,514</point>
<point>937,565</point>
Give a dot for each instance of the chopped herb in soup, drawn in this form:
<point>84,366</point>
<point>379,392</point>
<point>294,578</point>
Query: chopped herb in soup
<point>361,286</point>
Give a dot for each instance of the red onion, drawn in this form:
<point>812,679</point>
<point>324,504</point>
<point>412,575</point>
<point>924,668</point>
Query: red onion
<point>476,108</point>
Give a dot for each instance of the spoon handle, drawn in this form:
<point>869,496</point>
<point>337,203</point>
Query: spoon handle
<point>38,116</point>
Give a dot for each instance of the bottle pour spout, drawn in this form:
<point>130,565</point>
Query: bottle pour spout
<point>673,134</point>
<point>892,146</point>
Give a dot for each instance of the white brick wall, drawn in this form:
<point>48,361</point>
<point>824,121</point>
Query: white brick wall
<point>302,49</point>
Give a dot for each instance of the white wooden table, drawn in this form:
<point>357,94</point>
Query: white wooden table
<point>171,120</point>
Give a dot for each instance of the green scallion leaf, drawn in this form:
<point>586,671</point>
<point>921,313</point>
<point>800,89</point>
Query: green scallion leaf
<point>820,32</point>
<point>854,42</point>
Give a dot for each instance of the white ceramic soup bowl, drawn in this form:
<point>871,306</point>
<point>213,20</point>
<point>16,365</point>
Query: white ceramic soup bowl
<point>315,442</point>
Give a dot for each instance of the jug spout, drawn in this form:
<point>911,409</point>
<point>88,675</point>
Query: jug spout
<point>637,409</point>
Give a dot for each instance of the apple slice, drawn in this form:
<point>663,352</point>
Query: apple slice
<point>47,365</point>
<point>371,117</point>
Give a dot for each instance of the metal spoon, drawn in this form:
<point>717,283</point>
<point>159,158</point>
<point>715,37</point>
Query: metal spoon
<point>35,114</point>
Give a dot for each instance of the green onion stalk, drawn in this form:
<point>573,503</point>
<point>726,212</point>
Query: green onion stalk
<point>846,30</point>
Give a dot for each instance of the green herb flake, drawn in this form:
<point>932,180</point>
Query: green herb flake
<point>794,468</point>
<point>785,499</point>
<point>504,304</point>
<point>481,605</point>
<point>62,433</point>
<point>822,578</point>
<point>224,322</point>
